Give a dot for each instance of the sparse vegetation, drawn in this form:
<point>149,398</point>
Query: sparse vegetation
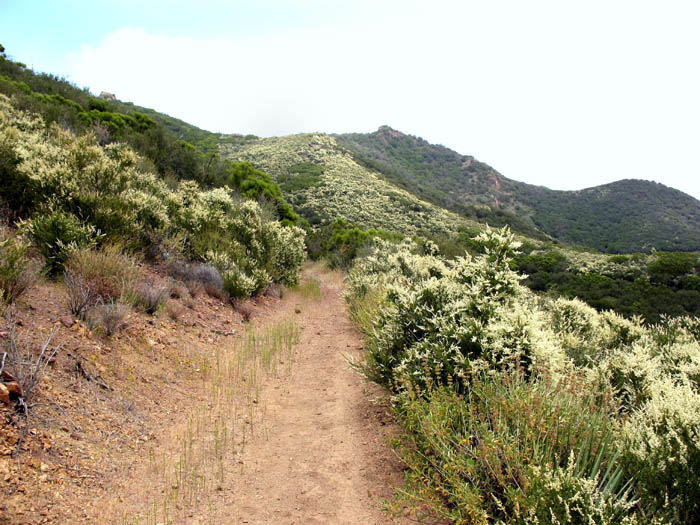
<point>25,364</point>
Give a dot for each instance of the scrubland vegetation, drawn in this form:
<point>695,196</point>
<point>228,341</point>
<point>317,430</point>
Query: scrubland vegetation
<point>624,216</point>
<point>649,285</point>
<point>536,383</point>
<point>323,183</point>
<point>88,192</point>
<point>524,409</point>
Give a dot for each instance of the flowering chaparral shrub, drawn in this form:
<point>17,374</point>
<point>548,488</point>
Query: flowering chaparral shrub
<point>563,414</point>
<point>76,193</point>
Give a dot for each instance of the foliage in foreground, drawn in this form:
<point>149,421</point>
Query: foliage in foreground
<point>157,138</point>
<point>519,408</point>
<point>77,194</point>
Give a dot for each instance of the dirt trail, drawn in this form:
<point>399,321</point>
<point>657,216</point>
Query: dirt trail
<point>207,419</point>
<point>324,457</point>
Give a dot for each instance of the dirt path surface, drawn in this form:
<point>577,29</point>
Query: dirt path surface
<point>324,457</point>
<point>203,418</point>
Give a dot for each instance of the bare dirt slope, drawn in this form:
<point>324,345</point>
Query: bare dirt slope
<point>195,419</point>
<point>324,458</point>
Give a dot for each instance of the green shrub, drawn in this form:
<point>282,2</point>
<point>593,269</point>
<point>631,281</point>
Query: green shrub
<point>95,189</point>
<point>512,451</point>
<point>443,323</point>
<point>56,234</point>
<point>519,380</point>
<point>18,272</point>
<point>667,266</point>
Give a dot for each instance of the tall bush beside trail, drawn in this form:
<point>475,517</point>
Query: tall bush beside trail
<point>73,193</point>
<point>445,322</point>
<point>440,333</point>
<point>289,253</point>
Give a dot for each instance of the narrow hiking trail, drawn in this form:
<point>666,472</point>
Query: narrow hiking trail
<point>324,458</point>
<point>307,444</point>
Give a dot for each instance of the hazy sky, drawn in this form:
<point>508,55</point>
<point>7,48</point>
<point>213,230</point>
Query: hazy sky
<point>564,94</point>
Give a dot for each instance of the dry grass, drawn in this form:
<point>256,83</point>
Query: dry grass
<point>109,317</point>
<point>99,276</point>
<point>150,297</point>
<point>174,310</point>
<point>18,271</point>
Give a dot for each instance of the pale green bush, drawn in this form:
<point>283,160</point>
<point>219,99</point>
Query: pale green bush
<point>99,195</point>
<point>431,323</point>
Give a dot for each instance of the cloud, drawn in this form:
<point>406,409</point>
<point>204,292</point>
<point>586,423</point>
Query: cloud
<point>553,95</point>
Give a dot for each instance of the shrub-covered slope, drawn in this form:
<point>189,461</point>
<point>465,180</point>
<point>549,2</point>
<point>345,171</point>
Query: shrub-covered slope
<point>625,216</point>
<point>168,146</point>
<point>520,409</point>
<point>72,193</point>
<point>323,182</point>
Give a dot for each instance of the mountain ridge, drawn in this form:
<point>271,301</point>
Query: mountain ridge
<point>622,216</point>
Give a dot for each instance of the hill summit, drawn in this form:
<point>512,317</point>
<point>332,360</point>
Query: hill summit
<point>624,216</point>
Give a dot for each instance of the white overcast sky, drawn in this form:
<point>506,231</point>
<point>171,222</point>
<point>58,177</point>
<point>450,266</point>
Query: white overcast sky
<point>563,94</point>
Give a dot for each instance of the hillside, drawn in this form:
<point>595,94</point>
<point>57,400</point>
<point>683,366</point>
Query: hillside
<point>625,216</point>
<point>323,182</point>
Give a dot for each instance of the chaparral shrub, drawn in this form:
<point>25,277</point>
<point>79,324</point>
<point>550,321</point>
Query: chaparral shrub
<point>75,193</point>
<point>525,409</point>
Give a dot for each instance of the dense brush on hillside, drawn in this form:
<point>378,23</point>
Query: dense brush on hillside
<point>647,285</point>
<point>168,146</point>
<point>71,193</point>
<point>625,216</point>
<point>523,410</point>
<point>324,183</point>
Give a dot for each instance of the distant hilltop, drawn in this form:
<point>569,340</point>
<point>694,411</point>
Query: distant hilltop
<point>390,131</point>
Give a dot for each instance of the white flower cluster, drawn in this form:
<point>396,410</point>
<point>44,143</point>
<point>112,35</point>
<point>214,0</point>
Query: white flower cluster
<point>446,321</point>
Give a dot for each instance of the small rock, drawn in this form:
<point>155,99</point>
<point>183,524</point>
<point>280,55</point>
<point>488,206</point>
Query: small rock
<point>4,394</point>
<point>15,390</point>
<point>67,321</point>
